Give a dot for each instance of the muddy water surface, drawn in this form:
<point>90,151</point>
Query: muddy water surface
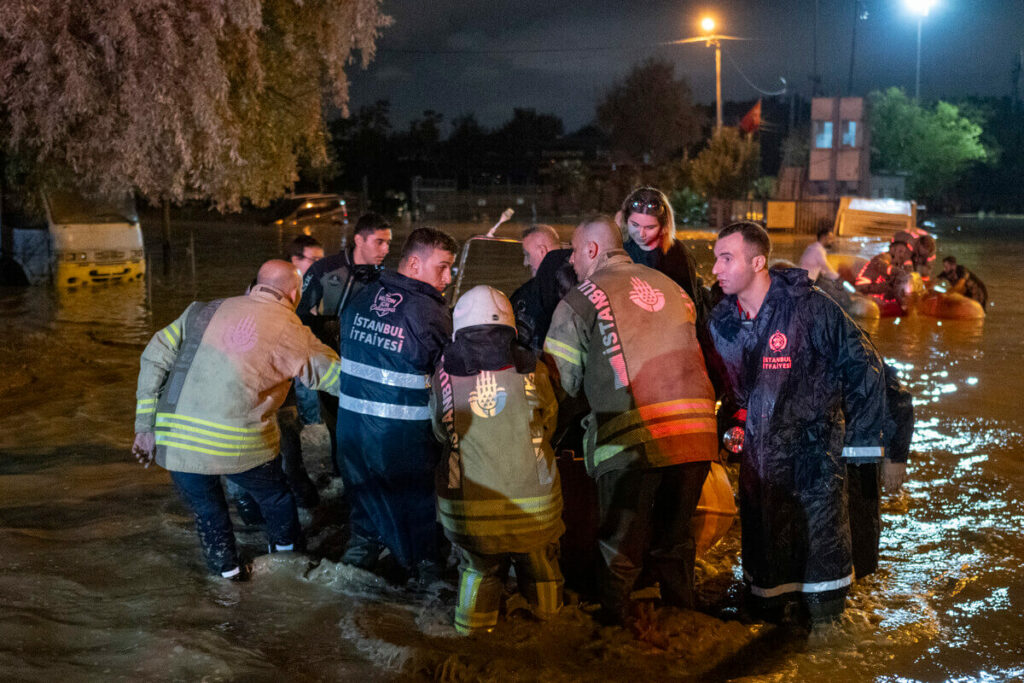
<point>101,577</point>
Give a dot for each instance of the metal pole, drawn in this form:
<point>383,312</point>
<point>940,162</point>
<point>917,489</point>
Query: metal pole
<point>718,85</point>
<point>917,77</point>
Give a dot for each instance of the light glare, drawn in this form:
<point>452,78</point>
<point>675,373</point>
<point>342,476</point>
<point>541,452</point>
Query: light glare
<point>707,24</point>
<point>921,7</point>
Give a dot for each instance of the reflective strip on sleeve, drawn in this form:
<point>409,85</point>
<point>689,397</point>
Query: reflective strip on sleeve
<point>330,378</point>
<point>863,453</point>
<point>145,406</point>
<point>391,378</point>
<point>562,350</point>
<point>818,587</point>
<point>391,411</point>
<point>172,334</point>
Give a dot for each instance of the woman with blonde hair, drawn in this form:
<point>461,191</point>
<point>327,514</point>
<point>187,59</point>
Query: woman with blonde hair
<point>649,223</point>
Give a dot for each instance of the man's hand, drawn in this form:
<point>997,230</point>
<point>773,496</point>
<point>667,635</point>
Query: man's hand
<point>893,476</point>
<point>144,448</point>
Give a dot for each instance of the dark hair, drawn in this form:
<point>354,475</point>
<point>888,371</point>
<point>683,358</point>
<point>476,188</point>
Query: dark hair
<point>824,229</point>
<point>370,222</point>
<point>423,240</point>
<point>950,259</point>
<point>297,247</point>
<point>753,235</point>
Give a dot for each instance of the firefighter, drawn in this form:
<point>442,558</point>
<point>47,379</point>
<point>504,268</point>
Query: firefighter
<point>498,492</point>
<point>811,387</point>
<point>626,337</point>
<point>329,285</point>
<point>393,334</point>
<point>209,386</point>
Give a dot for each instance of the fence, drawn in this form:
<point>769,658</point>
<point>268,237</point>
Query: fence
<point>802,216</point>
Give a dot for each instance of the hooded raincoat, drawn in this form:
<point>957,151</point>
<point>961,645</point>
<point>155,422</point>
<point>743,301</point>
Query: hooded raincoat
<point>813,389</point>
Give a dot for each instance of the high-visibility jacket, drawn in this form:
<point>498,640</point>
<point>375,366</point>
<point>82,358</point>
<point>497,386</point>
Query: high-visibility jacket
<point>626,338</point>
<point>497,482</point>
<point>217,416</point>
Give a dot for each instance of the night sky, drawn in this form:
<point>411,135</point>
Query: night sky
<point>488,56</point>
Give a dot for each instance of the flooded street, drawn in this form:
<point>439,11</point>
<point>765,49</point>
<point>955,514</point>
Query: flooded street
<point>101,575</point>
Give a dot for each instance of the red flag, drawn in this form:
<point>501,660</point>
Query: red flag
<point>752,121</point>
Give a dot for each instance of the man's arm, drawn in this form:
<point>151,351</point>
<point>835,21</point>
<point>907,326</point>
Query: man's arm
<point>566,347</point>
<point>319,367</point>
<point>863,384</point>
<point>154,367</point>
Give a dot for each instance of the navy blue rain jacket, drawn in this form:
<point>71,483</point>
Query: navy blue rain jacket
<point>393,333</point>
<point>813,389</point>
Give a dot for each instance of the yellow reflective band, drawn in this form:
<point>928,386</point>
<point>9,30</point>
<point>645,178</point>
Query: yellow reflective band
<point>145,411</point>
<point>196,420</point>
<point>145,401</point>
<point>644,434</point>
<point>563,351</point>
<point>226,439</point>
<point>499,506</point>
<point>234,447</point>
<point>330,377</point>
<point>655,411</point>
<point>198,449</point>
<point>467,618</point>
<point>170,337</point>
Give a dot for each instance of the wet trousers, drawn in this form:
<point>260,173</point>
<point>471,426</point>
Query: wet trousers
<point>645,514</point>
<point>308,402</point>
<point>864,497</point>
<point>482,578</point>
<point>266,484</point>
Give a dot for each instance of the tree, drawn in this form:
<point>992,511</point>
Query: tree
<point>728,166</point>
<point>650,115</point>
<point>935,146</point>
<point>184,99</point>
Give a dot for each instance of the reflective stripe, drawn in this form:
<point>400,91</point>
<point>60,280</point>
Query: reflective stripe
<point>819,587</point>
<point>244,445</point>
<point>389,410</point>
<point>498,506</point>
<point>563,351</point>
<point>145,406</point>
<point>391,378</point>
<point>330,378</point>
<point>648,433</point>
<point>864,452</point>
<point>195,420</point>
<point>167,440</point>
<point>655,411</point>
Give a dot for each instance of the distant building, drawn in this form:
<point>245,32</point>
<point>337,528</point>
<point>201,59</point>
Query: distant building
<point>840,147</point>
<point>888,186</point>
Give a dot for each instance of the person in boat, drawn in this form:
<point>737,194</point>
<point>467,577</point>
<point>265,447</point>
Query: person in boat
<point>963,281</point>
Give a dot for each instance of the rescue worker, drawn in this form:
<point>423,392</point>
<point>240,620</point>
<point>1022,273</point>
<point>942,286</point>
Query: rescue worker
<point>963,281</point>
<point>626,337</point>
<point>552,276</point>
<point>394,333</point>
<point>328,286</point>
<point>498,493</point>
<point>209,386</point>
<point>887,275</point>
<point>811,388</point>
<point>647,217</point>
<point>815,257</point>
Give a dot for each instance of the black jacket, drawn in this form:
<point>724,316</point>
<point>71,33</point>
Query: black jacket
<point>813,389</point>
<point>535,301</point>
<point>327,287</point>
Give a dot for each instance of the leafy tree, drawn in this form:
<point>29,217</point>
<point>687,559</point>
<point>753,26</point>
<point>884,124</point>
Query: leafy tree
<point>936,146</point>
<point>184,99</point>
<point>728,166</point>
<point>650,114</point>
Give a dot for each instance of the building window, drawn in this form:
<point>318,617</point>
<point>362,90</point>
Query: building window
<point>822,134</point>
<point>849,133</point>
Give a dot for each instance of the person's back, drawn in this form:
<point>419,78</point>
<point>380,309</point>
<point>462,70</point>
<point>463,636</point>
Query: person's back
<point>498,490</point>
<point>815,257</point>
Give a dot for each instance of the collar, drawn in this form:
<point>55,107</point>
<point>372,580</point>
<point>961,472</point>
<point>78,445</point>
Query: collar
<point>270,294</point>
<point>610,258</point>
<point>395,279</point>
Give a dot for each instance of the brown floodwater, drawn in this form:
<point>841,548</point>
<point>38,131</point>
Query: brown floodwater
<point>101,576</point>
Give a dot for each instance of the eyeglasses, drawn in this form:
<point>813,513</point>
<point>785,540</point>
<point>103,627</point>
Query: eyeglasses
<point>650,206</point>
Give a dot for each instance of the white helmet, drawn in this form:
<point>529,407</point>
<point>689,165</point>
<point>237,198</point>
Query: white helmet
<point>482,305</point>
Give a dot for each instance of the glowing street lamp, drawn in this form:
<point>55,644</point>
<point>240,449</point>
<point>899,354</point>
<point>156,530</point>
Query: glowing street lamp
<point>710,38</point>
<point>921,8</point>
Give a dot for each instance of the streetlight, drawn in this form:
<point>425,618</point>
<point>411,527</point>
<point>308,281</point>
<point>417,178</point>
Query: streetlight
<point>921,9</point>
<point>707,24</point>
